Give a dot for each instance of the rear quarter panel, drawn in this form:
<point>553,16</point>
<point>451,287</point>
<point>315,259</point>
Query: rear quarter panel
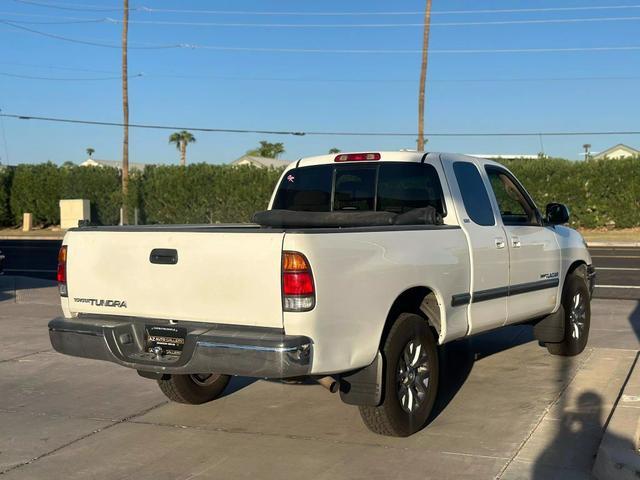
<point>359,275</point>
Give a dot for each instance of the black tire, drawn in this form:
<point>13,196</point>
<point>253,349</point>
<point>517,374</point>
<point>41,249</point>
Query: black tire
<point>391,417</point>
<point>577,315</point>
<point>193,389</point>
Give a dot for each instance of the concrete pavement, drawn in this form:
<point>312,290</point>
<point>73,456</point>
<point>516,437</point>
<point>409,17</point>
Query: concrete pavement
<point>507,409</point>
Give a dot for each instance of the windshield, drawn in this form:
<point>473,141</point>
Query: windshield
<point>389,187</point>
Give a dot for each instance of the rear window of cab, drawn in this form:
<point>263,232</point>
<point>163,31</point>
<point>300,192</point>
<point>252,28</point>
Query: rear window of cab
<point>384,187</point>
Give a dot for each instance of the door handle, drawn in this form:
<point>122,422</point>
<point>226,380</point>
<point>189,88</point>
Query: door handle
<point>500,243</point>
<point>515,242</point>
<point>164,256</point>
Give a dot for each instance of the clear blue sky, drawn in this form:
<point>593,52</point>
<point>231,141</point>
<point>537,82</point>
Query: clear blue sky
<point>316,91</point>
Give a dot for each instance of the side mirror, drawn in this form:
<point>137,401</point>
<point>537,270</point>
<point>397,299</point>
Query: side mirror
<point>557,213</point>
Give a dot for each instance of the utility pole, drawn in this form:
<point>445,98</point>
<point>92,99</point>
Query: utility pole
<point>423,75</point>
<point>587,151</point>
<point>125,113</point>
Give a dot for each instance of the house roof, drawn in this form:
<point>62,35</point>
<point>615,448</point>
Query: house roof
<point>92,162</point>
<point>261,161</point>
<point>620,146</point>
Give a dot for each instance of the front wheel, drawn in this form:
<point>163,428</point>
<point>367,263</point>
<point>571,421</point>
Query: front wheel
<point>410,379</point>
<point>193,389</point>
<point>576,303</point>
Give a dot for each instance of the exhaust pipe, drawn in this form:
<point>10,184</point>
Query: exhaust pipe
<point>329,383</point>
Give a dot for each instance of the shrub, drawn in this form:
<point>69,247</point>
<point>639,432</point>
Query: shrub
<point>36,189</point>
<point>203,193</point>
<point>598,192</point>
<point>5,182</point>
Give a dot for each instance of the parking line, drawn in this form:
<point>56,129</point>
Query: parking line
<point>615,256</point>
<point>618,268</point>
<point>617,286</point>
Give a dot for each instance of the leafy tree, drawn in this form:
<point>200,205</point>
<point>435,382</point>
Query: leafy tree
<point>334,150</point>
<point>182,139</point>
<point>90,151</point>
<point>268,150</point>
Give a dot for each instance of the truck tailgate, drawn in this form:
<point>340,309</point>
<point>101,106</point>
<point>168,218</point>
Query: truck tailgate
<point>220,277</point>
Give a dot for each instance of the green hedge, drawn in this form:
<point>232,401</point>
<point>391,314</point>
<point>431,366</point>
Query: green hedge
<point>598,193</point>
<point>5,183</point>
<point>39,188</point>
<point>204,193</point>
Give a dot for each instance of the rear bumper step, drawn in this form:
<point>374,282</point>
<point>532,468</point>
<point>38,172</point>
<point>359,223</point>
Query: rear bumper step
<point>208,348</point>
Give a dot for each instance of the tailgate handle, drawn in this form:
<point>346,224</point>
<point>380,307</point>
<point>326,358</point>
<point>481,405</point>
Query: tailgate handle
<point>164,256</point>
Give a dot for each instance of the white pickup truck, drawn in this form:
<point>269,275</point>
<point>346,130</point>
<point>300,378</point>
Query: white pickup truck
<point>364,264</point>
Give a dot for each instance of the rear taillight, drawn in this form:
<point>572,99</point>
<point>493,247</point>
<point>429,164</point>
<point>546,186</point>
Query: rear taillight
<point>298,289</point>
<point>356,157</point>
<point>62,271</point>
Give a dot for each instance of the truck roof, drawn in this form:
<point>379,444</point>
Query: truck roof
<point>387,156</point>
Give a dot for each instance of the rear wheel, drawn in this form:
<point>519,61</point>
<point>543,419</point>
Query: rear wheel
<point>410,379</point>
<point>576,302</point>
<point>193,389</point>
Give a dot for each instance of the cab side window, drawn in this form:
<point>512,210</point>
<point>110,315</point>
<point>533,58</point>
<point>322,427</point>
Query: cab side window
<point>515,207</point>
<point>474,194</point>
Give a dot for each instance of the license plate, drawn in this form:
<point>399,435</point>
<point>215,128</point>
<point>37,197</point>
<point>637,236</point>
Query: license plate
<point>170,339</point>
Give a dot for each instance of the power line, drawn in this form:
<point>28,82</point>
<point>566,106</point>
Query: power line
<point>94,8</point>
<point>107,20</point>
<point>66,79</point>
<point>152,75</point>
<point>325,50</point>
<point>84,42</point>
<point>319,133</point>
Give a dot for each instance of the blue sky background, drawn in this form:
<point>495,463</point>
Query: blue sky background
<point>316,91</point>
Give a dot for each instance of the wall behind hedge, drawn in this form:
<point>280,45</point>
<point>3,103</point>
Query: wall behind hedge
<point>598,193</point>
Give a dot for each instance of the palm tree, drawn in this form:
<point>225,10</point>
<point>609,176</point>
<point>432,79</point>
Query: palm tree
<point>587,151</point>
<point>423,75</point>
<point>125,112</point>
<point>90,151</point>
<point>182,139</point>
<point>267,149</point>
<point>334,150</point>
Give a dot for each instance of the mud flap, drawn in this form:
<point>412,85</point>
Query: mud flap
<point>551,328</point>
<point>364,386</point>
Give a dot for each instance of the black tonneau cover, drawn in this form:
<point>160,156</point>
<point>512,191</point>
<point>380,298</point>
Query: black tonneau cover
<point>299,219</point>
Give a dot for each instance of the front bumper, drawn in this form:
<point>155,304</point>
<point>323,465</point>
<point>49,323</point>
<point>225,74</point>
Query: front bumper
<point>208,348</point>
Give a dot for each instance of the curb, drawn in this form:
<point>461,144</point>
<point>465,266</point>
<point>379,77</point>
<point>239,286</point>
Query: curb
<point>613,244</point>
<point>619,451</point>
<point>31,237</point>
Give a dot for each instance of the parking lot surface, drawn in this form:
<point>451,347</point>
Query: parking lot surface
<point>506,409</point>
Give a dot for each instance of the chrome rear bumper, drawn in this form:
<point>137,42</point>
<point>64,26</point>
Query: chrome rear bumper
<point>208,348</point>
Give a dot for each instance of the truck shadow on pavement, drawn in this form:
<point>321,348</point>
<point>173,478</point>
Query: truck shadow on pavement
<point>634,320</point>
<point>457,359</point>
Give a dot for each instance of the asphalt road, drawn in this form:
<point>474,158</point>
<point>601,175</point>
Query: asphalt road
<point>31,258</point>
<point>506,409</point>
<point>618,272</point>
<point>618,269</point>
